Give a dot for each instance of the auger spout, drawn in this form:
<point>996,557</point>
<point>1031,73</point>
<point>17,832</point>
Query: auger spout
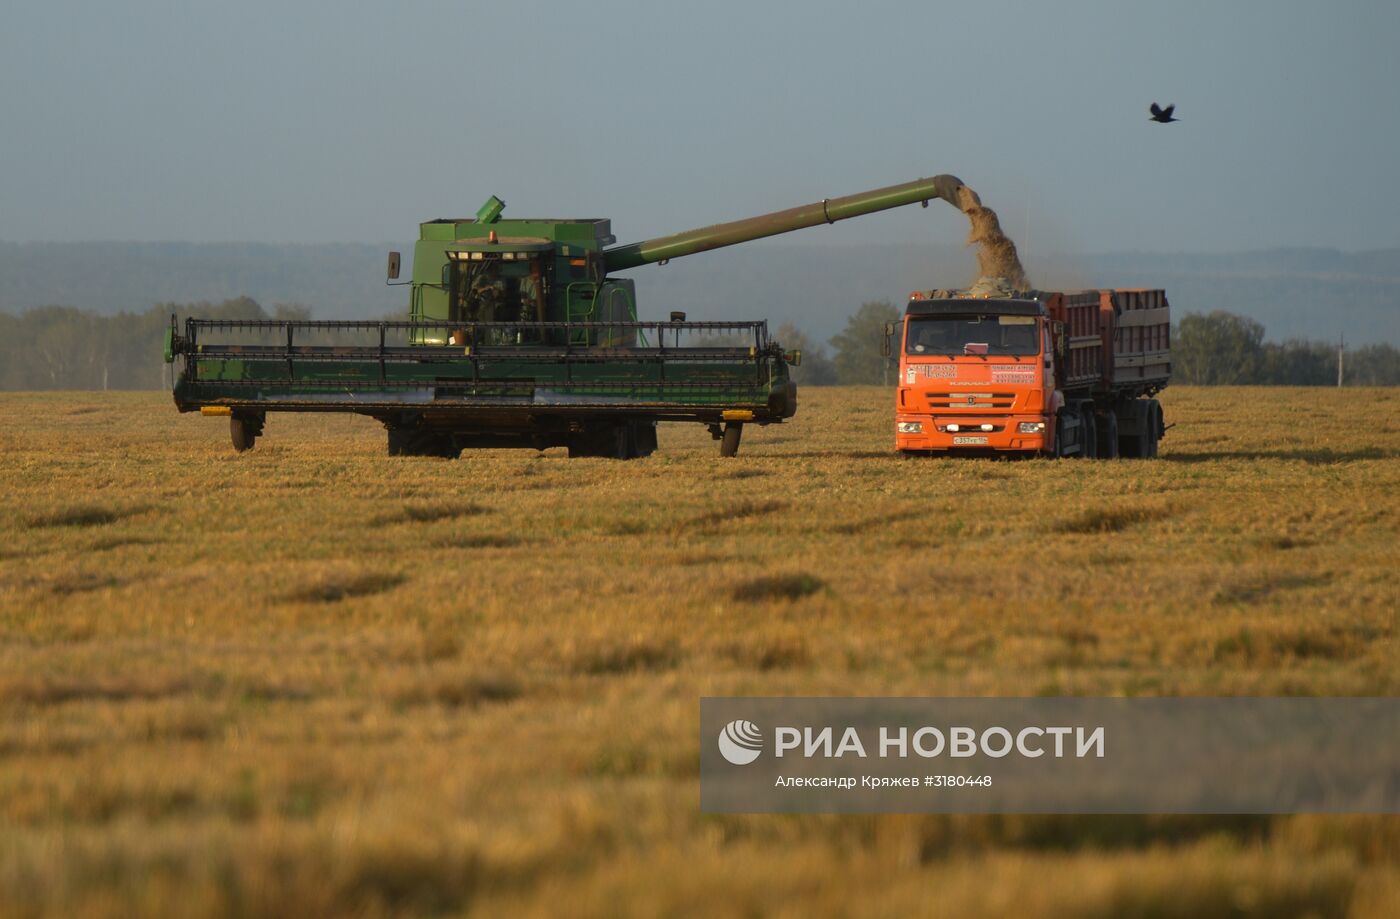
<point>828,210</point>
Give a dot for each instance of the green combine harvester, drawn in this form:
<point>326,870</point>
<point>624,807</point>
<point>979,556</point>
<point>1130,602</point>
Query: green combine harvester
<point>518,336</point>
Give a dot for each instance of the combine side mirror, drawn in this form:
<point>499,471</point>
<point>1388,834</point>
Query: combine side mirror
<point>393,266</point>
<point>885,343</point>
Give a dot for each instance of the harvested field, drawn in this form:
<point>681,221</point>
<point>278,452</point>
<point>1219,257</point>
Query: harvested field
<point>316,680</point>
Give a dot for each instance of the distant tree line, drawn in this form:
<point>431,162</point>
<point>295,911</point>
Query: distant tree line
<point>855,356</point>
<point>1222,348</point>
<point>62,347</point>
<point>1218,348</point>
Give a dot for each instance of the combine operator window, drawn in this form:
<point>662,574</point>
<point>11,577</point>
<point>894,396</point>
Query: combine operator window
<point>497,287</point>
<point>985,334</point>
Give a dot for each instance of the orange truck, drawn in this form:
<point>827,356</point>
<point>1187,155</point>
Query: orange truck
<point>990,370</point>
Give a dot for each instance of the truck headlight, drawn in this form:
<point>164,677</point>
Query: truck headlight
<point>910,427</point>
<point>954,428</point>
<point>1031,427</point>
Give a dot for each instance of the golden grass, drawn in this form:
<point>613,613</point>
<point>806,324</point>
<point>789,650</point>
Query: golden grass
<point>319,680</point>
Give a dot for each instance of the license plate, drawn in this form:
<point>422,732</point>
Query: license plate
<point>969,440</point>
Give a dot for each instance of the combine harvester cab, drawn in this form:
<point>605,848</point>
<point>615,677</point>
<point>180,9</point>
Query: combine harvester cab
<point>990,370</point>
<point>518,336</point>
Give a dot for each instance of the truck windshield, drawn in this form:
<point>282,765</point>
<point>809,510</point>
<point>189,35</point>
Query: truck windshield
<point>984,334</point>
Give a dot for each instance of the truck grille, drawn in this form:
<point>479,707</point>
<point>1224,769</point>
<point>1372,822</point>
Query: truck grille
<point>971,400</point>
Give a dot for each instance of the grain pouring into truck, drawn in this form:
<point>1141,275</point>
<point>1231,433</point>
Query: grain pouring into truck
<point>996,253</point>
<point>999,368</point>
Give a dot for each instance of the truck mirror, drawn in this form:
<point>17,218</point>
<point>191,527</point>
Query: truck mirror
<point>885,343</point>
<point>393,266</point>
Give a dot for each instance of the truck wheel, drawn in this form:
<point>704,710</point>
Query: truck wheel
<point>1132,446</point>
<point>1088,436</point>
<point>1138,442</point>
<point>729,446</point>
<point>1156,428</point>
<point>1108,436</point>
<point>1058,450</point>
<point>244,430</point>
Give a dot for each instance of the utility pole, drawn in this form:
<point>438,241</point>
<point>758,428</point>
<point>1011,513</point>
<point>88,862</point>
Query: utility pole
<point>1341,353</point>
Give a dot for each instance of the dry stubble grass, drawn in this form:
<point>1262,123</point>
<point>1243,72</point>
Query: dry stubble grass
<point>315,679</point>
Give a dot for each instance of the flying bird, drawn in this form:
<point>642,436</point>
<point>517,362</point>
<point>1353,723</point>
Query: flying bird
<point>1163,115</point>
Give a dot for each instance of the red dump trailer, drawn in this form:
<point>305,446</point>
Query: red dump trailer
<point>993,370</point>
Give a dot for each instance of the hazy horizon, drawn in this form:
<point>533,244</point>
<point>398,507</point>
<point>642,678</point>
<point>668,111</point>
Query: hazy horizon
<point>1319,293</point>
<point>353,122</point>
<point>793,240</point>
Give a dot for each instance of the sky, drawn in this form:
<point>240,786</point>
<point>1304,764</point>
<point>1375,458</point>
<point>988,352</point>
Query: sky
<point>352,122</point>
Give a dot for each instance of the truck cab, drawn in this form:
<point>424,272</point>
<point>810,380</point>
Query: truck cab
<point>976,374</point>
<point>992,370</point>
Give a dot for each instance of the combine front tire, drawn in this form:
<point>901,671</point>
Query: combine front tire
<point>245,430</point>
<point>729,444</point>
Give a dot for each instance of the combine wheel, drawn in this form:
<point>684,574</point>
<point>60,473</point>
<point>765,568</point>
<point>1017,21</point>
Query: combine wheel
<point>644,438</point>
<point>410,441</point>
<point>729,446</point>
<point>624,440</point>
<point>245,430</point>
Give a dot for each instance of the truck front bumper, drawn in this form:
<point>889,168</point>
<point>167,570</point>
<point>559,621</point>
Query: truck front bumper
<point>929,433</point>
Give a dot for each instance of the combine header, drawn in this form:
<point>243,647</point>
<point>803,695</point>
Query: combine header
<point>518,336</point>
